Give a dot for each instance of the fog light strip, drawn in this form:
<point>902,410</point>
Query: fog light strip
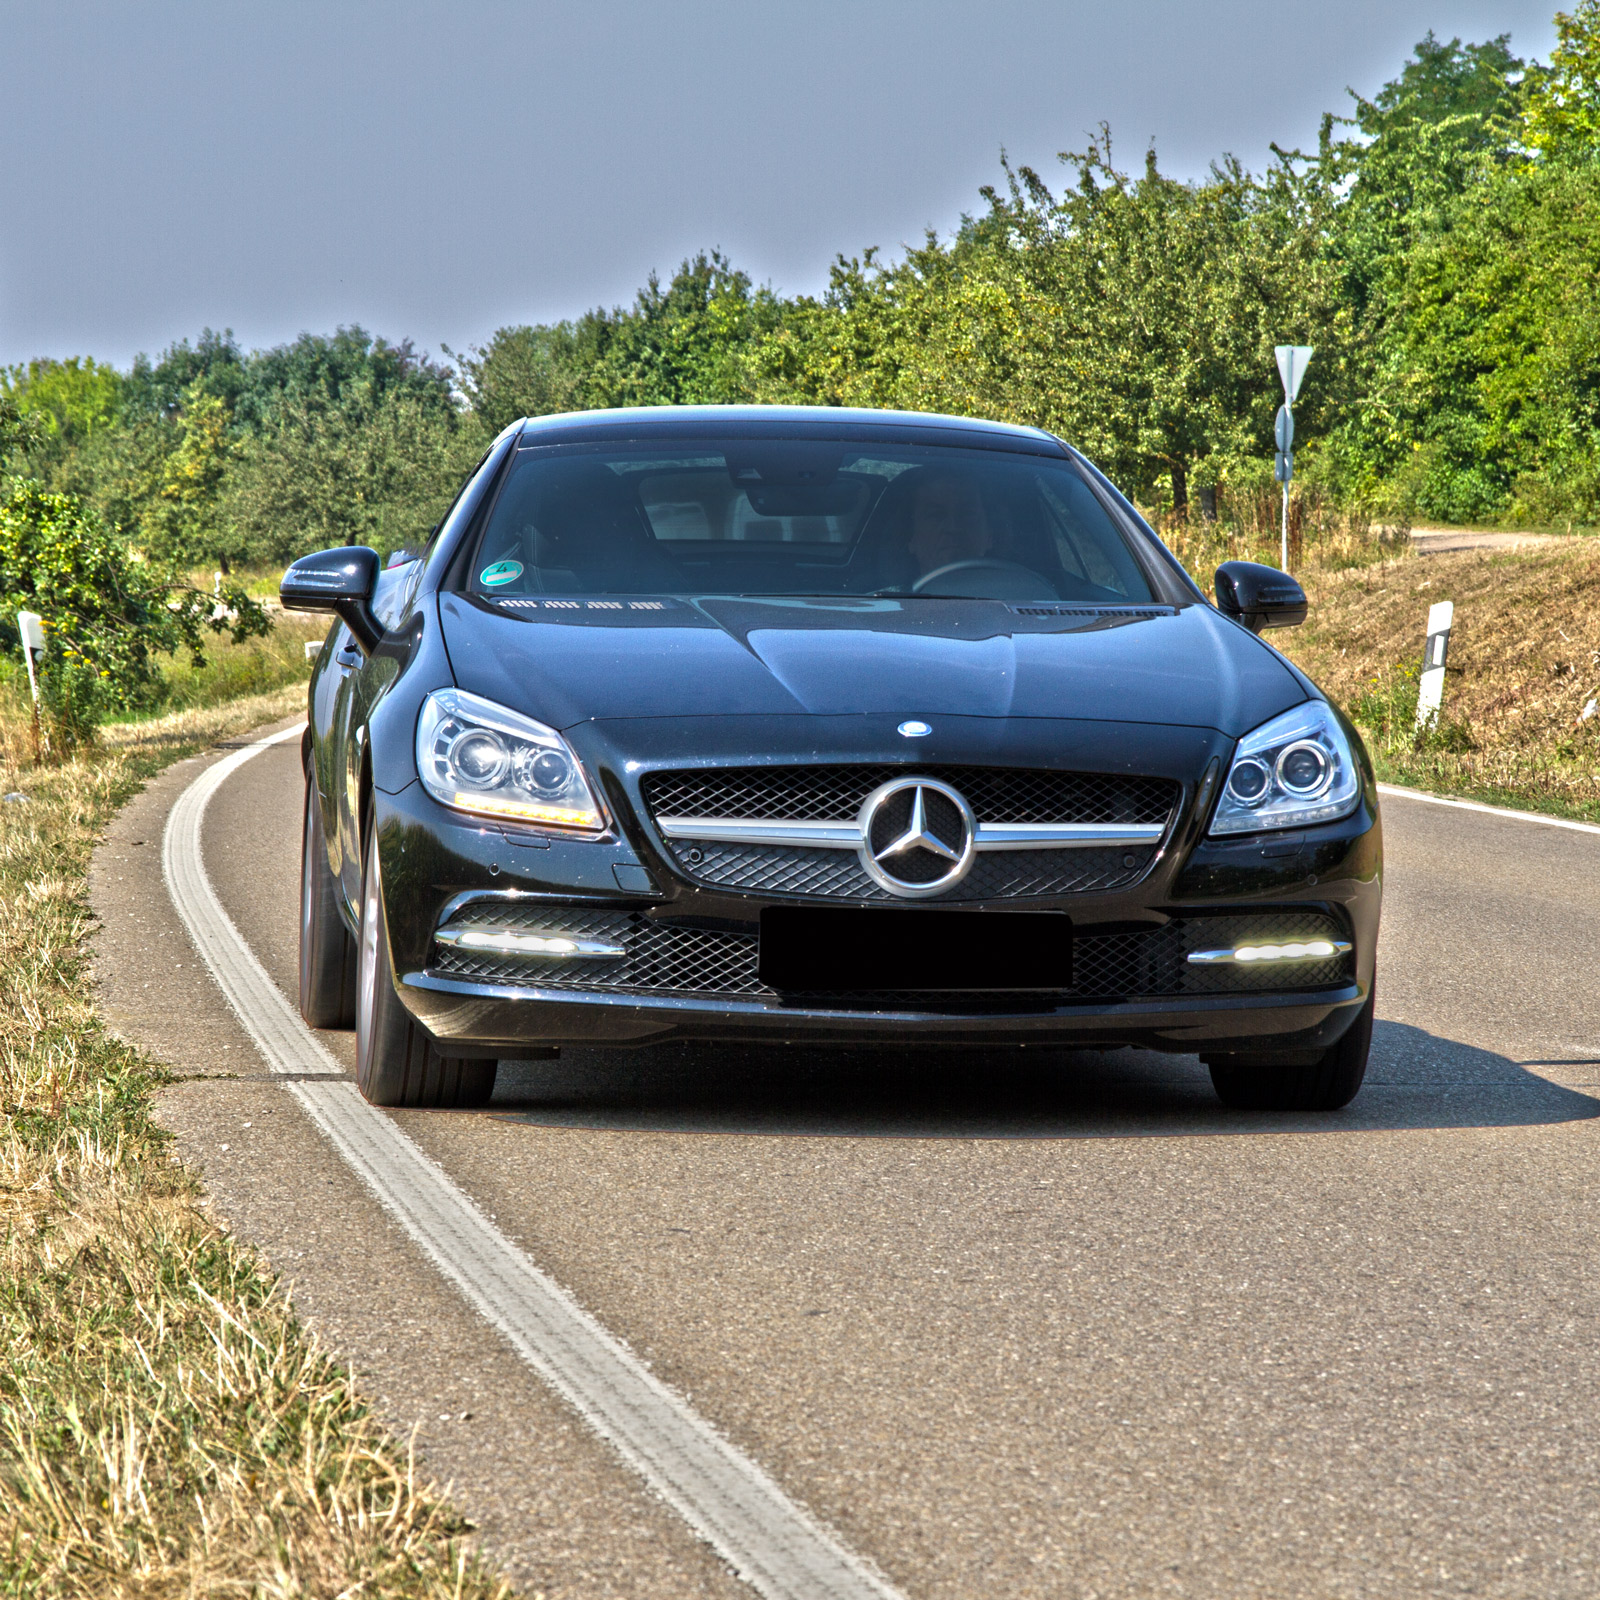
<point>1250,954</point>
<point>512,942</point>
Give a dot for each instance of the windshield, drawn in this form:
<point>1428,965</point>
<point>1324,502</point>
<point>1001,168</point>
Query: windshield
<point>801,517</point>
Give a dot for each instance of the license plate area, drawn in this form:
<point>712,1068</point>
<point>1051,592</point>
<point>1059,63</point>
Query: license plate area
<point>836,948</point>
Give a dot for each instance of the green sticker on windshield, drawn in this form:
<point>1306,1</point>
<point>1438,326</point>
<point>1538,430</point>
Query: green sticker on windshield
<point>501,572</point>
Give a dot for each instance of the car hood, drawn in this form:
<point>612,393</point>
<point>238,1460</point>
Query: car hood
<point>569,661</point>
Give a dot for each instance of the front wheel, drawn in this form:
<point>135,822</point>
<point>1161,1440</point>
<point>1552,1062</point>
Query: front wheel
<point>1326,1083</point>
<point>398,1063</point>
<point>327,952</point>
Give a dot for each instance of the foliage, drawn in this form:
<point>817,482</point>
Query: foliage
<point>107,614</point>
<point>375,468</point>
<point>1563,112</point>
<point>523,372</point>
<point>685,344</point>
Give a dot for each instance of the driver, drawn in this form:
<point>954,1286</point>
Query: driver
<point>948,523</point>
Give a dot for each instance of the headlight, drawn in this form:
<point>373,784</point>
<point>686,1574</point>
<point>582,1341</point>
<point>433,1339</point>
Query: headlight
<point>477,756</point>
<point>1297,769</point>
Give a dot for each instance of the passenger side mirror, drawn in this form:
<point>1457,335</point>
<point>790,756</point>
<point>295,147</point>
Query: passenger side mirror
<point>341,581</point>
<point>1258,596</point>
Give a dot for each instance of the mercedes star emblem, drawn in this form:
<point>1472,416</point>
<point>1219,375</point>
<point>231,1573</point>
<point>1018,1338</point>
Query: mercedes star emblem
<point>916,837</point>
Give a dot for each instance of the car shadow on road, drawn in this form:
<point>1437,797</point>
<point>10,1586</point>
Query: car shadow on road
<point>1415,1080</point>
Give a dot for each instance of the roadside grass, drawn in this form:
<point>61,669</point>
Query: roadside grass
<point>167,1427</point>
<point>1320,541</point>
<point>1524,664</point>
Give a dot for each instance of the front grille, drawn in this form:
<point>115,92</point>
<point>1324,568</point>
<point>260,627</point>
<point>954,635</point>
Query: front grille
<point>836,793</point>
<point>675,958</point>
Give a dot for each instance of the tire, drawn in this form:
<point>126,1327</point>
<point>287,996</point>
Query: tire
<point>398,1063</point>
<point>1328,1082</point>
<point>327,952</point>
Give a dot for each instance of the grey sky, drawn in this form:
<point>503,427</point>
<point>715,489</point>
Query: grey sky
<point>438,170</point>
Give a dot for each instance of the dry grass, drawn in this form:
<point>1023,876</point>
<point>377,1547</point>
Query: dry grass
<point>1321,538</point>
<point>166,1426</point>
<point>1524,663</point>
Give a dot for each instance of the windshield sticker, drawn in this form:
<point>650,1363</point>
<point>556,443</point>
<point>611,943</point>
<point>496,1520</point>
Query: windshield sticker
<point>500,573</point>
<point>528,603</point>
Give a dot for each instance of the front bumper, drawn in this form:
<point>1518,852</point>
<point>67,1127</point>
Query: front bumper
<point>435,862</point>
<point>497,1020</point>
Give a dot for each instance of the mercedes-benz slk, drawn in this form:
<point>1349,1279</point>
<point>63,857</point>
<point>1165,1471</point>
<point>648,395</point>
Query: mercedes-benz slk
<point>822,727</point>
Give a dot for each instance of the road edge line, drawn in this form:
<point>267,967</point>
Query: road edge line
<point>1494,811</point>
<point>769,1540</point>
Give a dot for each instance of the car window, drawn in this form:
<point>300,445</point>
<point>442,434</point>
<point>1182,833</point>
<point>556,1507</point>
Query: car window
<point>801,517</point>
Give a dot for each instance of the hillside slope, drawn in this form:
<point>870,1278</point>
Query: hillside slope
<point>1524,662</point>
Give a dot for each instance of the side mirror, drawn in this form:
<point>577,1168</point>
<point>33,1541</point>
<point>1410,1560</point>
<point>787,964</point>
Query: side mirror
<point>1259,597</point>
<point>341,581</point>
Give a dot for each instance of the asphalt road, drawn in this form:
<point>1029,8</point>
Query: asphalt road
<point>1022,1324</point>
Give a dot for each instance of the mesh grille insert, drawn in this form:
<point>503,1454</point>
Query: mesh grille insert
<point>834,793</point>
<point>676,958</point>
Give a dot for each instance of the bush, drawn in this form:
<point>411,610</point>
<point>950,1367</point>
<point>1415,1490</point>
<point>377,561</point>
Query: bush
<point>108,615</point>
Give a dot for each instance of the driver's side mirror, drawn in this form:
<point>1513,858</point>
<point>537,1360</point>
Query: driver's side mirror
<point>1258,596</point>
<point>341,581</point>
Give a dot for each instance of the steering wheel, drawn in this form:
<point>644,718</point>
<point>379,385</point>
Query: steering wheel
<point>1040,588</point>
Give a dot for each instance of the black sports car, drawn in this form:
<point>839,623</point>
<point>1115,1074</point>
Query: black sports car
<point>822,726</point>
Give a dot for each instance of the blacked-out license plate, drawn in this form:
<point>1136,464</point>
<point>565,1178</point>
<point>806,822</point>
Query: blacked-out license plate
<point>814,947</point>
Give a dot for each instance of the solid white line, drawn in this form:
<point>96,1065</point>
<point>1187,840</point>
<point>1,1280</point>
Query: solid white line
<point>1493,811</point>
<point>769,1540</point>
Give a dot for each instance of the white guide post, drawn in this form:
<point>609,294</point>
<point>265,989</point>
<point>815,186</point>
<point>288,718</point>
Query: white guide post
<point>1430,692</point>
<point>31,626</point>
<point>1293,359</point>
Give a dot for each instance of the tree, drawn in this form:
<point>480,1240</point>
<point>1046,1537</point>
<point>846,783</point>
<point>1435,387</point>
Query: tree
<point>181,520</point>
<point>107,614</point>
<point>1563,111</point>
<point>376,470</point>
<point>523,372</point>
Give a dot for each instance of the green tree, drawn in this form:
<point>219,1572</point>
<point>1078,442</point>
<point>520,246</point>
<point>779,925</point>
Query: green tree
<point>524,371</point>
<point>181,519</point>
<point>1563,111</point>
<point>108,615</point>
<point>376,470</point>
<point>1134,316</point>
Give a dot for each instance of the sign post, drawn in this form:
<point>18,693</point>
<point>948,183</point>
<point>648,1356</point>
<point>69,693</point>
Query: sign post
<point>1293,359</point>
<point>31,626</point>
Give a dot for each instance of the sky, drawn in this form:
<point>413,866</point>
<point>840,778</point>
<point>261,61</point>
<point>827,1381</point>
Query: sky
<point>436,171</point>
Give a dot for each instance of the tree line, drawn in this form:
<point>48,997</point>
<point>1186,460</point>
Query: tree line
<point>1439,247</point>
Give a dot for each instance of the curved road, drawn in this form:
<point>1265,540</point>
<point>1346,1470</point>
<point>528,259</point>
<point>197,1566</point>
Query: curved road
<point>1014,1324</point>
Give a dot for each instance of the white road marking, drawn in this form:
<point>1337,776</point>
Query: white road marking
<point>1493,811</point>
<point>769,1540</point>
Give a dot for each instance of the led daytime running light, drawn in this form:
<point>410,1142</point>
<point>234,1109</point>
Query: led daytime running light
<point>485,759</point>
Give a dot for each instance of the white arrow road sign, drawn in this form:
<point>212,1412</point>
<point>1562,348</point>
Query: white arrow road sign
<point>1293,359</point>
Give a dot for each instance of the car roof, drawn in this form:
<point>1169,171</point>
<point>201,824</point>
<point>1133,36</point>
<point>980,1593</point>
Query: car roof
<point>851,423</point>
